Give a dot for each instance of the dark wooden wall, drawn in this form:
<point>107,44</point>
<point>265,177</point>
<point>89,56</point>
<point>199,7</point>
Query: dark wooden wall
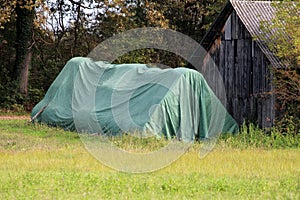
<point>245,73</point>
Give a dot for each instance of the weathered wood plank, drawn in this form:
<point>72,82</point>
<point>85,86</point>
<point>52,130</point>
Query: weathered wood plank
<point>247,68</point>
<point>233,26</point>
<point>238,67</point>
<point>256,71</point>
<point>229,62</point>
<point>228,29</point>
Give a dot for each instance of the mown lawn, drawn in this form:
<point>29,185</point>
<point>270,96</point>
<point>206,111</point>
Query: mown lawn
<point>37,162</point>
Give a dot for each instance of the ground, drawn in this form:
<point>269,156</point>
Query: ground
<point>39,162</point>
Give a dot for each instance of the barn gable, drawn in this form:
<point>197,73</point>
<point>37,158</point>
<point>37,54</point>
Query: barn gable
<point>237,45</point>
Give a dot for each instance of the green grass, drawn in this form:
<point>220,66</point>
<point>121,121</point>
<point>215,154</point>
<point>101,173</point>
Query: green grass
<point>38,162</point>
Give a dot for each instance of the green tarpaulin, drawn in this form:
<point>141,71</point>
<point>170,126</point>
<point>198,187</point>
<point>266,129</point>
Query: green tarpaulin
<point>99,97</point>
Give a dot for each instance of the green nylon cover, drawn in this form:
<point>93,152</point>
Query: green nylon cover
<point>98,97</point>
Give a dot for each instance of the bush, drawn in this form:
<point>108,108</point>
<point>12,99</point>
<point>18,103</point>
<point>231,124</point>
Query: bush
<point>11,99</point>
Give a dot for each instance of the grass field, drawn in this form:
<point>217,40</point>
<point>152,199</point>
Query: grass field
<point>38,162</point>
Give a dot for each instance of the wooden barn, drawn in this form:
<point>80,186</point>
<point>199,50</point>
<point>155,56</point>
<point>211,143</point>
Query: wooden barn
<point>236,44</point>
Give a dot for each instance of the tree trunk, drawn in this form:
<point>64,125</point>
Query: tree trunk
<point>24,26</point>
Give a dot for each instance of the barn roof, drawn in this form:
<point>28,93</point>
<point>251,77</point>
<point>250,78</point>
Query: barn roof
<point>252,14</point>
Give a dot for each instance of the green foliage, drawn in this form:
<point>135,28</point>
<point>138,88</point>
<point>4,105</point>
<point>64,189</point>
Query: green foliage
<point>152,57</point>
<point>11,99</point>
<point>289,125</point>
<point>285,43</point>
<point>9,95</point>
<point>287,35</point>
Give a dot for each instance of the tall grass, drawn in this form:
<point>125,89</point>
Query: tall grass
<point>13,132</point>
<point>251,136</point>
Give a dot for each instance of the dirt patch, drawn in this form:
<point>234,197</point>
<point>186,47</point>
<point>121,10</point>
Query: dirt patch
<point>14,117</point>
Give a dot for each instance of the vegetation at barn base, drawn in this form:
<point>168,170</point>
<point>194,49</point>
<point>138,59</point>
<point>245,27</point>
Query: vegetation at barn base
<point>251,137</point>
<point>40,162</point>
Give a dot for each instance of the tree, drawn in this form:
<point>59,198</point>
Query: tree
<point>190,17</point>
<point>48,33</point>
<point>25,14</point>
<point>286,44</point>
